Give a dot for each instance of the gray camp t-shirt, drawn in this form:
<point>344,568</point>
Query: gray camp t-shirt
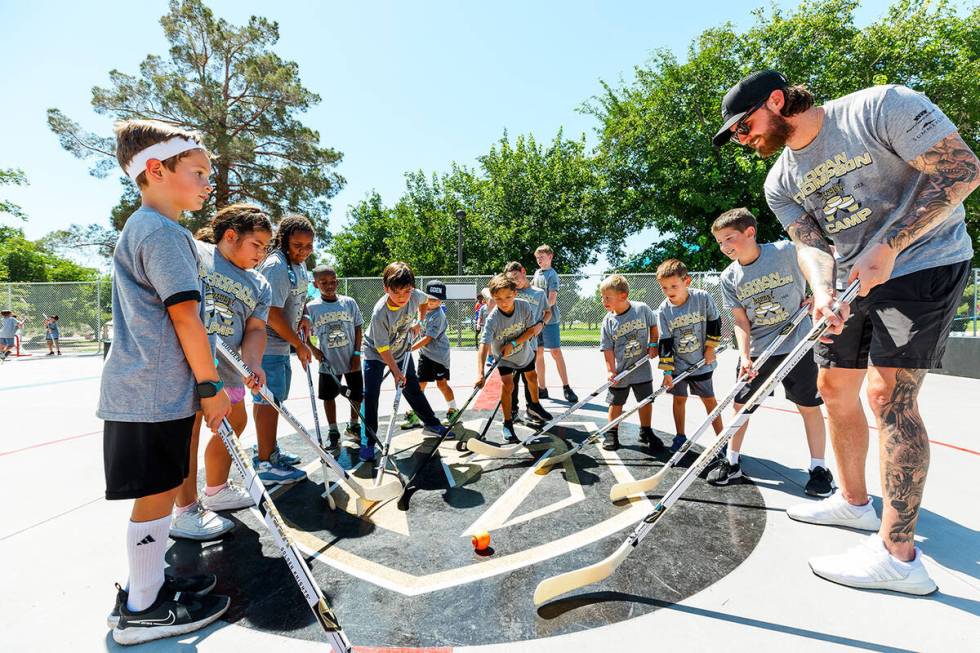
<point>501,329</point>
<point>435,326</point>
<point>286,294</point>
<point>389,327</point>
<point>547,280</point>
<point>855,181</point>
<point>628,336</point>
<point>538,299</point>
<point>231,296</point>
<point>335,327</point>
<point>8,327</point>
<point>771,289</point>
<point>687,324</point>
<point>146,377</point>
<point>52,331</point>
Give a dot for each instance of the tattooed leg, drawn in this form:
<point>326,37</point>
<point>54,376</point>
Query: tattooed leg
<point>904,448</point>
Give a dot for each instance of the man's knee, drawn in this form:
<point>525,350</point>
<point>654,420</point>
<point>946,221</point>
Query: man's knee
<point>836,389</point>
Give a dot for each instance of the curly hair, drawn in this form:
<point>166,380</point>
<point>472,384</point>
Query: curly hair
<point>291,224</point>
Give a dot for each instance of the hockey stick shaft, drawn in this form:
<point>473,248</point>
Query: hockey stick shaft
<point>386,447</point>
<point>287,548</point>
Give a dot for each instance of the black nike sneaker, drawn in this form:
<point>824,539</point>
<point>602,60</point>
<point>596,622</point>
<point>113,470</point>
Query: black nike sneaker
<point>570,395</point>
<point>538,412</point>
<point>821,483</point>
<point>172,613</point>
<point>199,585</point>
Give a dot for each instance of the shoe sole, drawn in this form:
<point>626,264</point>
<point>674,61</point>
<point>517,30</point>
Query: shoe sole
<point>141,635</point>
<point>871,528</point>
<point>222,508</point>
<point>285,481</point>
<point>823,495</point>
<point>900,587</point>
<point>185,535</point>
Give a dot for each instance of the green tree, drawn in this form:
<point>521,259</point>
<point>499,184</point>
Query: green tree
<point>226,82</point>
<point>655,132</point>
<point>26,260</point>
<point>12,177</point>
<point>361,249</point>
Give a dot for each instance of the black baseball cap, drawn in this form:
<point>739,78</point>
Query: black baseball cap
<point>745,95</point>
<point>436,290</point>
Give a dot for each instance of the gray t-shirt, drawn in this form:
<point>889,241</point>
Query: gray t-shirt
<point>770,289</point>
<point>435,326</point>
<point>538,299</point>
<point>289,282</point>
<point>231,296</point>
<point>8,327</point>
<point>335,327</point>
<point>687,324</point>
<point>52,331</point>
<point>855,180</point>
<point>547,280</point>
<point>146,377</point>
<point>628,336</point>
<point>389,327</point>
<point>501,329</point>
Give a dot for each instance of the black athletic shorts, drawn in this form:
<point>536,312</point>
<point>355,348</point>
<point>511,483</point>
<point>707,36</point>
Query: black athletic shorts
<point>505,370</point>
<point>145,458</point>
<point>902,323</point>
<point>430,370</point>
<point>800,384</point>
<point>328,390</point>
<point>700,386</point>
<point>617,395</point>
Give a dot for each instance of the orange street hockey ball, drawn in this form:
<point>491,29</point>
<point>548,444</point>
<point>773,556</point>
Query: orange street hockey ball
<point>481,541</point>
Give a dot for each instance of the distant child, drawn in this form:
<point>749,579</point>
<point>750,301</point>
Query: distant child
<point>509,329</point>
<point>434,355</point>
<point>538,299</point>
<point>52,334</point>
<point>764,287</point>
<point>8,332</point>
<point>386,343</point>
<point>546,279</point>
<point>336,322</point>
<point>159,372</point>
<point>690,329</point>
<point>285,271</point>
<point>479,313</point>
<point>236,305</point>
<point>629,334</point>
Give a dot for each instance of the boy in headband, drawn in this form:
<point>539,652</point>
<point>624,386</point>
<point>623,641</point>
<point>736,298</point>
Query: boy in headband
<point>159,371</point>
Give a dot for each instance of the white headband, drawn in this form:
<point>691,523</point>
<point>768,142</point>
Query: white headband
<point>160,151</point>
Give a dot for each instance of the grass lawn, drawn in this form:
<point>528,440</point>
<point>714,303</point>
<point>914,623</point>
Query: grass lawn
<point>577,336</point>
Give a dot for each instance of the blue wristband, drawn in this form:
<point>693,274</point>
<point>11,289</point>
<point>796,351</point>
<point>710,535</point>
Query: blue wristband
<point>652,345</point>
<point>513,344</point>
<point>357,353</point>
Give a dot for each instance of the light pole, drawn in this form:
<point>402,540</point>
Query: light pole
<point>460,218</point>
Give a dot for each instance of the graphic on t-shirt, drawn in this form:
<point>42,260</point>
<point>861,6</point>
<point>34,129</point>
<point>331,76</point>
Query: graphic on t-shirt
<point>337,336</point>
<point>839,211</point>
<point>768,311</point>
<point>218,316</point>
<point>632,350</point>
<point>688,342</point>
<point>511,332</point>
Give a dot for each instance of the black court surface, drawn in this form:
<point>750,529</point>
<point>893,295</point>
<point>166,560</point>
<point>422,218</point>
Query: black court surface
<point>411,578</point>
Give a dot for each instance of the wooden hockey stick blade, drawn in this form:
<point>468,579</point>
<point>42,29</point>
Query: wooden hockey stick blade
<point>544,465</point>
<point>484,448</point>
<point>389,488</point>
<point>642,486</point>
<point>549,588</point>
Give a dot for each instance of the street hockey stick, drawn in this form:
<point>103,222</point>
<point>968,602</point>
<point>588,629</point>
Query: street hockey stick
<point>563,583</point>
<point>319,436</point>
<point>406,495</point>
<point>370,493</point>
<point>506,451</point>
<point>284,542</point>
<point>550,461</point>
<point>644,485</point>
<point>386,447</point>
<point>461,446</point>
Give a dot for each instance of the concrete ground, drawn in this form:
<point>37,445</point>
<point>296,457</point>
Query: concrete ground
<point>62,544</point>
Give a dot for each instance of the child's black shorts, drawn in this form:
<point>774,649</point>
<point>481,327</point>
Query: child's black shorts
<point>328,388</point>
<point>430,370</point>
<point>617,395</point>
<point>145,458</point>
<point>700,386</point>
<point>800,384</point>
<point>505,370</point>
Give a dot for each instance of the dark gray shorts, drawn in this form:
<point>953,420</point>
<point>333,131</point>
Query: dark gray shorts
<point>700,386</point>
<point>617,395</point>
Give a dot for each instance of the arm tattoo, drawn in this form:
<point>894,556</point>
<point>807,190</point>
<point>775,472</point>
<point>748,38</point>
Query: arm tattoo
<point>906,449</point>
<point>813,252</point>
<point>952,172</point>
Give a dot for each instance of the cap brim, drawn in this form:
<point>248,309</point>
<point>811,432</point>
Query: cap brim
<point>725,133</point>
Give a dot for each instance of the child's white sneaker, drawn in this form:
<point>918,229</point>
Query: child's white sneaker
<point>231,497</point>
<point>836,511</point>
<point>870,566</point>
<point>199,524</point>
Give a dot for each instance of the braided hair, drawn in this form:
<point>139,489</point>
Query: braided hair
<point>290,225</point>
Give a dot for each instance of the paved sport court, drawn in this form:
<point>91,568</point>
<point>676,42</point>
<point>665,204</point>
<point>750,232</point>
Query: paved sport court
<point>725,569</point>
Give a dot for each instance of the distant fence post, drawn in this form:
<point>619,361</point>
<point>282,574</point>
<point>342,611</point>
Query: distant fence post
<point>976,297</point>
<point>98,309</point>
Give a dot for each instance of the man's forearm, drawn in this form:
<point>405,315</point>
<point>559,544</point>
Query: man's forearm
<point>813,253</point>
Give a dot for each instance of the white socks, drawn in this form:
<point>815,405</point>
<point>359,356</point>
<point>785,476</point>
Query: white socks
<point>146,545</point>
<point>452,404</point>
<point>817,462</point>
<point>732,456</point>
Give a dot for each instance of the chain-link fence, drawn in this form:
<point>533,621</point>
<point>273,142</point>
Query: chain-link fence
<point>84,309</point>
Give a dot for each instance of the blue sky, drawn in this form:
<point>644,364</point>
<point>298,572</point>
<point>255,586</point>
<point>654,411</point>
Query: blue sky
<point>404,85</point>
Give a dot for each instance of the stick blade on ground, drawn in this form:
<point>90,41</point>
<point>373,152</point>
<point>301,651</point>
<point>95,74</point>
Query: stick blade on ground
<point>483,448</point>
<point>640,487</point>
<point>549,588</point>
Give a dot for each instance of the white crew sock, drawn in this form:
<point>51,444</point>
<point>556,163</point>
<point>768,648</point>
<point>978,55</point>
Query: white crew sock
<point>146,545</point>
<point>332,426</point>
<point>452,404</point>
<point>732,456</point>
<point>817,462</point>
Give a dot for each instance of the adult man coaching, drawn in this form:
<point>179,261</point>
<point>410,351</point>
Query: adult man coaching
<point>880,174</point>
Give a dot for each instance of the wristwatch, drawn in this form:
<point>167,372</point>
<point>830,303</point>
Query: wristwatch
<point>208,389</point>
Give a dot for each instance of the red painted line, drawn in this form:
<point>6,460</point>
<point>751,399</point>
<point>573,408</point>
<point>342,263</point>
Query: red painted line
<point>44,444</point>
<point>875,428</point>
<point>491,393</point>
<point>374,649</point>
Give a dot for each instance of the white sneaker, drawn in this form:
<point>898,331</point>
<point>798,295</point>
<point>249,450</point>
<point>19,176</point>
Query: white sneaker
<point>199,524</point>
<point>836,511</point>
<point>870,566</point>
<point>230,497</point>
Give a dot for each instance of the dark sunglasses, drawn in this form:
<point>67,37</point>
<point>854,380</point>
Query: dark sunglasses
<point>741,129</point>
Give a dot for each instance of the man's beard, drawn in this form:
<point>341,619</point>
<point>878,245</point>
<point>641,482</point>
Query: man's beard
<point>775,139</point>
